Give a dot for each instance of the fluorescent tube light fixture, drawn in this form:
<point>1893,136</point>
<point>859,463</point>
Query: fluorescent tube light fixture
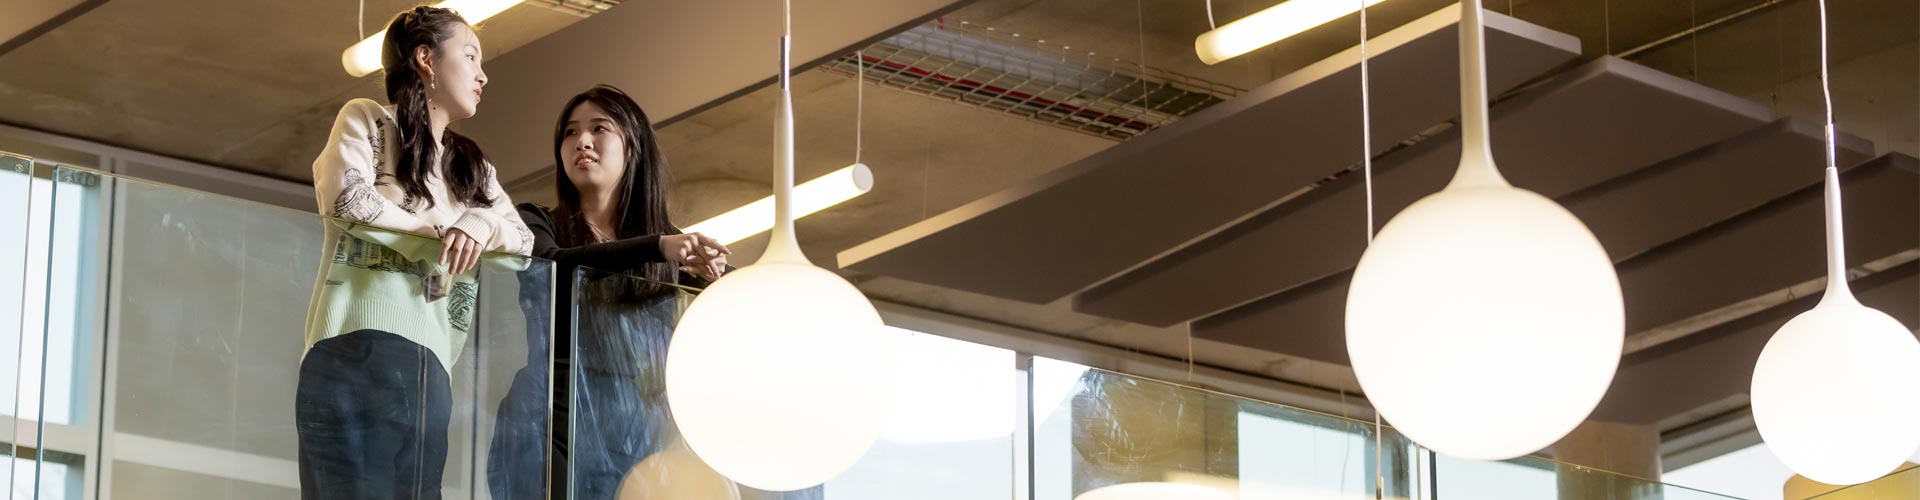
<point>813,196</point>
<point>363,58</point>
<point>1274,24</point>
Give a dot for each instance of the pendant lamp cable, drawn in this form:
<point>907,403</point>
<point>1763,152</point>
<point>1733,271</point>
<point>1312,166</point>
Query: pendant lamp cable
<point>1693,27</point>
<point>859,102</point>
<point>1210,24</point>
<point>1140,18</point>
<point>1606,23</point>
<point>1189,352</point>
<point>1366,121</point>
<point>1826,88</point>
<point>360,21</point>
<point>1366,170</point>
<point>1836,253</point>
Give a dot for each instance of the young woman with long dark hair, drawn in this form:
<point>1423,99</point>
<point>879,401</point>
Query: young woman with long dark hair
<point>612,183</point>
<point>390,313</point>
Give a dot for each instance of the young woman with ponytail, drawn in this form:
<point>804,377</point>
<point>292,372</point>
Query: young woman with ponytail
<point>390,313</point>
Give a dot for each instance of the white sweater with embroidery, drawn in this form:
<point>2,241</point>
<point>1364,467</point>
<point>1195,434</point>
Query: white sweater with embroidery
<point>373,277</point>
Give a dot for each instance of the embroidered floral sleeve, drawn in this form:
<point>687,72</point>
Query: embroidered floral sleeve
<point>345,173</point>
<point>498,226</point>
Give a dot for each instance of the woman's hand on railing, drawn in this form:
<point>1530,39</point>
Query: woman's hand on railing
<point>711,271</point>
<point>459,252</point>
<point>697,254</point>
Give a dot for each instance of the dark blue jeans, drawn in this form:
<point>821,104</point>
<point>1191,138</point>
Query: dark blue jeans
<point>372,410</point>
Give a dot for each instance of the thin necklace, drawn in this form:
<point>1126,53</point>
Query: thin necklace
<point>598,235</point>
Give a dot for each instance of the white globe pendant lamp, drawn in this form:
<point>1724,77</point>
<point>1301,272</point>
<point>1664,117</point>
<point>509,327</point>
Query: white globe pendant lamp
<point>778,373</point>
<point>1484,321</point>
<point>1834,389</point>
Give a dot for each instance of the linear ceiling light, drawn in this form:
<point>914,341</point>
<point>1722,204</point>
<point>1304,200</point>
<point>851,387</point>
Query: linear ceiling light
<point>813,196</point>
<point>363,58</point>
<point>1274,24</point>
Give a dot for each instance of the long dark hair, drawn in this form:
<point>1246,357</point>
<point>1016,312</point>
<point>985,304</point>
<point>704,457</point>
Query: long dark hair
<point>640,199</point>
<point>465,167</point>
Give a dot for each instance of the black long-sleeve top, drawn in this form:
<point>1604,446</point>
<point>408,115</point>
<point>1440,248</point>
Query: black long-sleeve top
<point>620,255</point>
<point>613,256</point>
<point>624,328</point>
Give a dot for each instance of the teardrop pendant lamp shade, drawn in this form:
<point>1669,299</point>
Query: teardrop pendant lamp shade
<point>778,373</point>
<point>1484,321</point>
<point>1834,390</point>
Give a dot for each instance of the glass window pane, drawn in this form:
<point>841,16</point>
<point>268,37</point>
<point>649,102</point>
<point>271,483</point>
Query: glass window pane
<point>16,214</point>
<point>213,387</point>
<point>950,433</point>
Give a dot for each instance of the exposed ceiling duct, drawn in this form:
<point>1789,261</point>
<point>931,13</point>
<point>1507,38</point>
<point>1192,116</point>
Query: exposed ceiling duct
<point>1080,91</point>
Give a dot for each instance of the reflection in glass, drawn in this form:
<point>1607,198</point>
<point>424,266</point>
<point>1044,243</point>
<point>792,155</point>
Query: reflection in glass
<point>1115,436</point>
<point>1902,484</point>
<point>619,434</point>
<point>616,416</point>
<point>1537,478</point>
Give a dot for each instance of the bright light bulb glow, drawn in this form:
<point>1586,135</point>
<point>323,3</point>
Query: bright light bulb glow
<point>1155,491</point>
<point>813,196</point>
<point>1274,24</point>
<point>1833,393</point>
<point>1485,322</point>
<point>779,375</point>
<point>363,58</point>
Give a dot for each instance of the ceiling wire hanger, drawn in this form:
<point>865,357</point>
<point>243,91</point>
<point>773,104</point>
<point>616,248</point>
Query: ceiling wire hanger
<point>1140,25</point>
<point>1366,168</point>
<point>859,102</point>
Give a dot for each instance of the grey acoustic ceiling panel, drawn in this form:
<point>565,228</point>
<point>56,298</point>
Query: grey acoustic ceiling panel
<point>1088,221</point>
<point>1775,246</point>
<point>1605,119</point>
<point>1632,214</point>
<point>1716,365</point>
<point>1642,210</point>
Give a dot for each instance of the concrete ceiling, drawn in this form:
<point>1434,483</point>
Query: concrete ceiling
<point>252,86</point>
<point>28,19</point>
<point>243,84</point>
